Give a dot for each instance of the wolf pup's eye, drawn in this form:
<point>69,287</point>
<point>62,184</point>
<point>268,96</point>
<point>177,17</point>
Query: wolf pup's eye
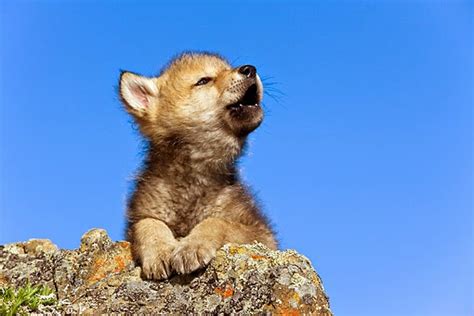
<point>203,81</point>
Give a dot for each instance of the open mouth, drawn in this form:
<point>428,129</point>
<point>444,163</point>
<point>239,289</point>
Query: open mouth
<point>248,100</point>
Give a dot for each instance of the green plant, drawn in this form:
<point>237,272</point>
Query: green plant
<point>31,296</point>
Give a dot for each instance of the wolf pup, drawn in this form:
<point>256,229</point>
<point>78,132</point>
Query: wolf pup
<point>188,200</point>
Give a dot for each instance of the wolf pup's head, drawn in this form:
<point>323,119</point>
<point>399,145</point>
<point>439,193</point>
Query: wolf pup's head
<point>198,98</point>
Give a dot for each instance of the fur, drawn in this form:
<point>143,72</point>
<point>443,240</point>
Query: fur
<point>188,200</point>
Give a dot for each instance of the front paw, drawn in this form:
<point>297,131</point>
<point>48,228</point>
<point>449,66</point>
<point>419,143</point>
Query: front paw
<point>155,262</point>
<point>189,255</point>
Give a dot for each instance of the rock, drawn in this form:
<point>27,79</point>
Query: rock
<point>101,277</point>
<point>36,246</point>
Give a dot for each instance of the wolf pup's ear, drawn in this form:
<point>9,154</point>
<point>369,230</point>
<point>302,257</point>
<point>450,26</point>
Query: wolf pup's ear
<point>138,93</point>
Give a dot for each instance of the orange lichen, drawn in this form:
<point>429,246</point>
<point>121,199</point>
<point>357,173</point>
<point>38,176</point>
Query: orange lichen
<point>124,244</point>
<point>287,311</point>
<point>96,277</point>
<point>286,307</point>
<point>103,266</point>
<point>97,272</point>
<point>99,262</point>
<point>225,292</point>
<point>257,257</point>
<point>119,264</point>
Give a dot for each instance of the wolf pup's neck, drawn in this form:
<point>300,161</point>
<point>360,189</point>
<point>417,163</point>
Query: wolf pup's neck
<point>174,157</point>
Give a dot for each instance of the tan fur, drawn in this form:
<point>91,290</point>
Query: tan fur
<point>188,200</point>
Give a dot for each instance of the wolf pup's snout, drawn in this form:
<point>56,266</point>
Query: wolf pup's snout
<point>248,71</point>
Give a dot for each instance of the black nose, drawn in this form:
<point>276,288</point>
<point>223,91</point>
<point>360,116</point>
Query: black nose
<point>248,71</point>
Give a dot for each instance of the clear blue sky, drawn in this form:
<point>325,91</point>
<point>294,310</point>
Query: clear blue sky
<point>364,163</point>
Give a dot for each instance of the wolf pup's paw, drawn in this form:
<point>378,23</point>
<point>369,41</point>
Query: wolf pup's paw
<point>156,262</point>
<point>191,255</point>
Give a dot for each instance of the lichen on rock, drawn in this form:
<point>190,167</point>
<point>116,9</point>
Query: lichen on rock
<point>101,277</point>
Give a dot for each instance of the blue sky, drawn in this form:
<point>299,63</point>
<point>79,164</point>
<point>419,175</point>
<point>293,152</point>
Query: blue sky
<point>364,161</point>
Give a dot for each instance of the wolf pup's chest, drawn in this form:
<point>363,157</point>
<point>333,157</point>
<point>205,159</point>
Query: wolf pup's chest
<point>189,208</point>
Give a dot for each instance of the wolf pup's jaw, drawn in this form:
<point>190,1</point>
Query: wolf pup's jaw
<point>188,200</point>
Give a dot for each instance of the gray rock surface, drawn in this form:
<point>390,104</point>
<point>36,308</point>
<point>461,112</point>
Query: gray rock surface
<point>101,277</point>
